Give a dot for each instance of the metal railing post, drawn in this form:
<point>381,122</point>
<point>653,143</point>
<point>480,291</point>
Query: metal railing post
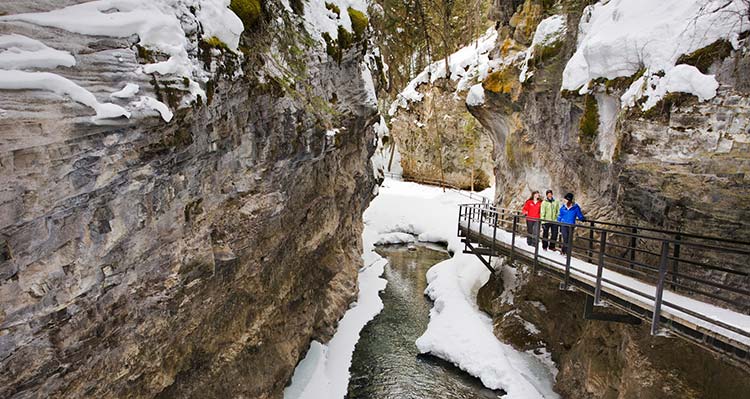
<point>471,217</point>
<point>660,287</point>
<point>460,208</point>
<point>591,242</point>
<point>676,261</point>
<point>481,222</point>
<point>536,246</point>
<point>568,254</point>
<point>513,237</point>
<point>600,267</point>
<point>633,242</point>
<point>494,235</point>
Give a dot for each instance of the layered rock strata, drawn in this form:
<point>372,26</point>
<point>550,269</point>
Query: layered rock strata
<point>195,258</point>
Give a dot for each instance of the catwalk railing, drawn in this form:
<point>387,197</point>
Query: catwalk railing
<point>708,269</point>
<point>440,183</point>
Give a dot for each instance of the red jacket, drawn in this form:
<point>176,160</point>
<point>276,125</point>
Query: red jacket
<point>532,210</point>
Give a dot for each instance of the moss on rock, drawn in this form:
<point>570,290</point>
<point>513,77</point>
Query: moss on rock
<point>249,11</point>
<point>662,110</point>
<point>215,42</point>
<point>333,8</point>
<point>589,124</point>
<point>298,7</point>
<point>504,81</point>
<point>346,39</point>
<point>622,83</point>
<point>359,23</point>
<point>705,57</point>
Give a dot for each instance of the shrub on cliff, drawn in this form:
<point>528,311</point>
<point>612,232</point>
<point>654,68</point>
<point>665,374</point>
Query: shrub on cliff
<point>359,23</point>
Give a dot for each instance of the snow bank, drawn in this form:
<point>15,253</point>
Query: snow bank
<point>320,20</point>
<point>619,37</point>
<point>128,91</point>
<point>20,80</point>
<point>148,102</point>
<point>466,65</point>
<point>19,52</point>
<point>324,372</point>
<point>458,331</point>
<point>163,26</point>
<point>475,96</point>
<point>549,31</point>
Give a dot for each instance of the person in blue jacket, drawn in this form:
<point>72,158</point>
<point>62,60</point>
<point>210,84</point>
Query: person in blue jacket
<point>569,212</point>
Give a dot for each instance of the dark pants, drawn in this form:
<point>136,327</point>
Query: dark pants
<point>531,229</point>
<point>549,229</point>
<point>566,231</point>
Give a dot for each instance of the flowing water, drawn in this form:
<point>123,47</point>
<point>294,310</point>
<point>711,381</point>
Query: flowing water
<point>386,362</point>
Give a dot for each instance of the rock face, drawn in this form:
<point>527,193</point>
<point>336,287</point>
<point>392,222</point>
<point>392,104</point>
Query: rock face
<point>681,165</point>
<point>439,140</point>
<point>195,258</point>
<point>599,359</point>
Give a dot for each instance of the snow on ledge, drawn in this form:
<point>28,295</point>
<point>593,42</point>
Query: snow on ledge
<point>164,26</point>
<point>619,37</point>
<point>466,65</point>
<point>549,31</point>
<point>128,91</point>
<point>680,79</point>
<point>147,102</point>
<point>475,96</point>
<point>20,80</point>
<point>19,52</point>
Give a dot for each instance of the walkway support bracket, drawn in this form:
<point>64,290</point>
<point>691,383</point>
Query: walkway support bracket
<point>476,252</point>
<point>590,314</point>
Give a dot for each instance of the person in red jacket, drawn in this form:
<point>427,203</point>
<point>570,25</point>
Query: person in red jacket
<point>532,209</point>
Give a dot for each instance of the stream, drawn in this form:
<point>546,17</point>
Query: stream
<point>386,362</point>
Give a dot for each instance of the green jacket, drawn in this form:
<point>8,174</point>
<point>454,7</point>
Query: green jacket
<point>550,209</point>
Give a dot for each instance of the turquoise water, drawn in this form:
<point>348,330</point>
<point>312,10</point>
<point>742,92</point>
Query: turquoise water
<point>386,362</point>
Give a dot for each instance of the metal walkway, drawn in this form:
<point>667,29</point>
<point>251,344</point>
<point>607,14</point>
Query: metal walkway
<point>686,285</point>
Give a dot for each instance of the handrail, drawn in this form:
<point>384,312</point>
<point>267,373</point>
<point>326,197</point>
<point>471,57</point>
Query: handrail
<point>671,232</point>
<point>442,183</point>
<point>659,266</point>
<point>646,228</point>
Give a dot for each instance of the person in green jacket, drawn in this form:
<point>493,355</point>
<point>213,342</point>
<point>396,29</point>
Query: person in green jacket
<point>550,211</point>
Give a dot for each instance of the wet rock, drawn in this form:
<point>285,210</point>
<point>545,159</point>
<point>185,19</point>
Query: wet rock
<point>683,166</point>
<point>439,140</point>
<point>195,258</point>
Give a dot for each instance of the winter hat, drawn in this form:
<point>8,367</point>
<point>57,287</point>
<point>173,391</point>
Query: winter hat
<point>569,196</point>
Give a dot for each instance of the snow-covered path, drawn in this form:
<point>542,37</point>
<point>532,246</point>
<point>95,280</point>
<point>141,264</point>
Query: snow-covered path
<point>457,332</point>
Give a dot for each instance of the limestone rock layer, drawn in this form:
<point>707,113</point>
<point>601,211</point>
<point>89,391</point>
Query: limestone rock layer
<point>195,258</point>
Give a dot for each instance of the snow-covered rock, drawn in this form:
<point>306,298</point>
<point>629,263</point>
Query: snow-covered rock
<point>466,66</point>
<point>620,37</point>
<point>549,31</point>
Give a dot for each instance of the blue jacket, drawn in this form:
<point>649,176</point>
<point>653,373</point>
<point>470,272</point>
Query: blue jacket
<point>569,215</point>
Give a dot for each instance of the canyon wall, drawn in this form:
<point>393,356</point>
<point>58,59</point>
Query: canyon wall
<point>682,164</point>
<point>439,140</point>
<point>191,258</point>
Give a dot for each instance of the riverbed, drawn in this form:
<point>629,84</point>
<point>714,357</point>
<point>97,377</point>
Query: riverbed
<point>386,362</point>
